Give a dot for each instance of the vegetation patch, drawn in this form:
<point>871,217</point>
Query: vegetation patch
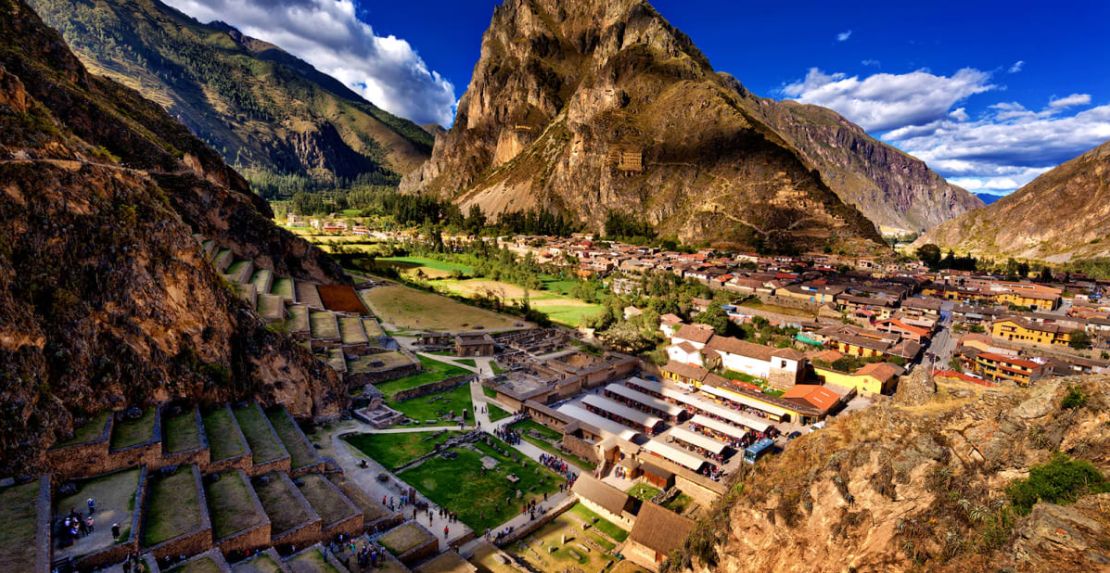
<point>87,432</point>
<point>605,526</point>
<point>644,492</point>
<point>224,441</point>
<point>416,310</point>
<point>325,498</point>
<point>256,428</point>
<point>396,450</point>
<point>1061,480</point>
<point>181,433</point>
<point>547,439</point>
<point>173,507</point>
<point>430,410</point>
<point>130,432</point>
<point>301,452</point>
<point>496,413</point>
<point>279,500</point>
<point>231,504</point>
<point>18,526</point>
<point>433,371</point>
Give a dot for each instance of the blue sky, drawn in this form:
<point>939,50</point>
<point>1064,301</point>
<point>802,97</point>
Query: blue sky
<point>990,94</point>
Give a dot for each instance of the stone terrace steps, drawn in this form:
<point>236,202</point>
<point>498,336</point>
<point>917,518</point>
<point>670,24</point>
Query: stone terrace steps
<point>351,330</point>
<point>308,294</point>
<point>270,307</point>
<point>298,323</point>
<point>223,260</point>
<point>240,272</point>
<point>263,280</point>
<point>283,287</point>
<point>324,325</point>
<point>267,450</point>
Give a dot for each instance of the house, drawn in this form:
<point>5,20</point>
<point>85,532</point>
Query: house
<point>1000,367</point>
<point>903,329</point>
<point>474,344</point>
<point>605,500</point>
<point>869,380</point>
<point>922,307</point>
<point>698,335</point>
<point>1025,331</point>
<point>684,373</point>
<point>669,324</point>
<point>685,353</point>
<point>782,367</point>
<point>822,398</point>
<point>658,532</point>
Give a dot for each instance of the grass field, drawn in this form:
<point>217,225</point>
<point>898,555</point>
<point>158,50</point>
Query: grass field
<point>528,429</point>
<point>172,507</point>
<point>605,526</point>
<point>180,433</point>
<point>223,441</point>
<point>231,505</point>
<point>496,413</point>
<point>18,521</point>
<point>405,538</point>
<point>429,410</point>
<point>434,371</point>
<point>410,309</point>
<point>430,267</point>
<point>256,428</point>
<point>301,452</point>
<point>559,307</point>
<point>586,550</point>
<point>278,499</point>
<point>324,325</point>
<point>283,287</point>
<point>396,450</point>
<point>643,491</point>
<point>680,503</point>
<point>482,498</point>
<point>88,431</point>
<point>128,432</point>
<point>330,504</point>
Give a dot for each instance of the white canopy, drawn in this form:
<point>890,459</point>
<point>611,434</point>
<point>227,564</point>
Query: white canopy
<point>676,455</point>
<point>604,424</point>
<point>642,419</point>
<point>641,398</point>
<point>699,440</point>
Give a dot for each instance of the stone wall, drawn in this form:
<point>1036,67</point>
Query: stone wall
<point>82,460</point>
<point>433,388</point>
<point>43,540</point>
<point>192,542</point>
<point>581,448</point>
<point>200,456</point>
<point>305,534</point>
<point>257,537</point>
<point>243,462</point>
<point>280,465</point>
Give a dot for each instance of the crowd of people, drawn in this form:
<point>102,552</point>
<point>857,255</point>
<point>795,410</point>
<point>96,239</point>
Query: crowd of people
<point>508,435</point>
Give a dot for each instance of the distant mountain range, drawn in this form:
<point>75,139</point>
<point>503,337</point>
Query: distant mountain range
<point>1062,215</point>
<point>988,198</point>
<point>270,114</point>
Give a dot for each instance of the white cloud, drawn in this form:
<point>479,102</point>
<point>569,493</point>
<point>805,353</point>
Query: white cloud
<point>843,36</point>
<point>1069,101</point>
<point>1017,67</point>
<point>882,102</point>
<point>328,34</point>
<point>872,63</point>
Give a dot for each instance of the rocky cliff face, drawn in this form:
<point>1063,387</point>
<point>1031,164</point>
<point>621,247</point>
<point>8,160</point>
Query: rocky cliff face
<point>896,191</point>
<point>105,300</point>
<point>263,109</point>
<point>918,484</point>
<point>592,107</point>
<point>1062,215</point>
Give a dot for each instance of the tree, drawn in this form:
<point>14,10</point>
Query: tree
<point>1080,340</point>
<point>475,220</point>
<point>714,316</point>
<point>930,255</point>
<point>1046,275</point>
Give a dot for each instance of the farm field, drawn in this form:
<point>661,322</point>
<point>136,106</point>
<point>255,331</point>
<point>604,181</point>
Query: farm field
<point>434,371</point>
<point>560,307</point>
<point>409,309</point>
<point>431,268</point>
<point>482,498</point>
<point>277,495</point>
<point>180,433</point>
<point>396,450</point>
<point>223,440</point>
<point>265,446</point>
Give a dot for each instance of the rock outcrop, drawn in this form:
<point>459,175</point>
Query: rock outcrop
<point>267,112</point>
<point>1061,216</point>
<point>106,300</point>
<point>594,107</point>
<point>920,488</point>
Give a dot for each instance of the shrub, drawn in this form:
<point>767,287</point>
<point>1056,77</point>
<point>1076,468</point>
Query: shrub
<point>1075,398</point>
<point>1062,480</point>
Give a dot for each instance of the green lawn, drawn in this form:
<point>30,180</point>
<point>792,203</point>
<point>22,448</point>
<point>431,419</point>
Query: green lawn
<point>18,525</point>
<point>468,362</point>
<point>643,491</point>
<point>180,433</point>
<point>482,498</point>
<point>172,507</point>
<point>301,452</point>
<point>88,431</point>
<point>428,410</point>
<point>605,526</point>
<point>396,450</point>
<point>496,413</point>
<point>256,428</point>
<point>489,392</point>
<point>130,432</point>
<point>330,504</point>
<point>548,442</point>
<point>278,499</point>
<point>434,371</point>
<point>224,441</point>
<point>415,262</point>
<point>231,505</point>
<point>680,503</point>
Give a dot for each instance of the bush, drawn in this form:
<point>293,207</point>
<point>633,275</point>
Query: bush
<point>1075,398</point>
<point>1062,480</point>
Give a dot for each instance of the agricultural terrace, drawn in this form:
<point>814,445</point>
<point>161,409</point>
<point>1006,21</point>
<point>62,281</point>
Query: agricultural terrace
<point>180,433</point>
<point>173,507</point>
<point>87,432</point>
<point>342,298</point>
<point>283,287</point>
<point>265,445</point>
<point>279,498</point>
<point>547,440</point>
<point>379,362</point>
<point>199,564</point>
<point>398,449</point>
<point>115,496</point>
<point>324,325</point>
<point>371,509</point>
<point>432,409</point>
<point>130,432</point>
<point>224,441</point>
<point>301,452</point>
<point>410,309</point>
<point>433,371</point>
<point>260,563</point>
<point>404,538</point>
<point>311,560</point>
<point>482,498</point>
<point>19,526</point>
<point>231,504</point>
<point>560,308</point>
<point>588,546</point>
<point>330,504</point>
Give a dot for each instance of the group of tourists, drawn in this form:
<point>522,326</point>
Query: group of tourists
<point>76,525</point>
<point>508,435</point>
<point>558,466</point>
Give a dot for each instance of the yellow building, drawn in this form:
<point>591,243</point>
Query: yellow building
<point>1023,331</point>
<point>999,367</point>
<point>875,378</point>
<point>1032,300</point>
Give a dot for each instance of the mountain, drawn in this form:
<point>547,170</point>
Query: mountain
<point>106,298</point>
<point>988,198</point>
<point>895,190</point>
<point>596,108</point>
<point>1062,215</point>
<point>921,484</point>
<point>267,112</point>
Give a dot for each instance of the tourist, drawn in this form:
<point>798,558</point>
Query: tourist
<point>91,502</point>
<point>115,531</point>
<point>446,530</point>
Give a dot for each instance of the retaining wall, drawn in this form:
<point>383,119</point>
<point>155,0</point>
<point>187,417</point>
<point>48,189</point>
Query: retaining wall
<point>192,542</point>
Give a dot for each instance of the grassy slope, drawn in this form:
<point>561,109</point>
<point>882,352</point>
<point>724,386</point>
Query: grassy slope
<point>396,450</point>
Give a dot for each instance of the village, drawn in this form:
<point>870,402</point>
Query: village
<point>479,441</point>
